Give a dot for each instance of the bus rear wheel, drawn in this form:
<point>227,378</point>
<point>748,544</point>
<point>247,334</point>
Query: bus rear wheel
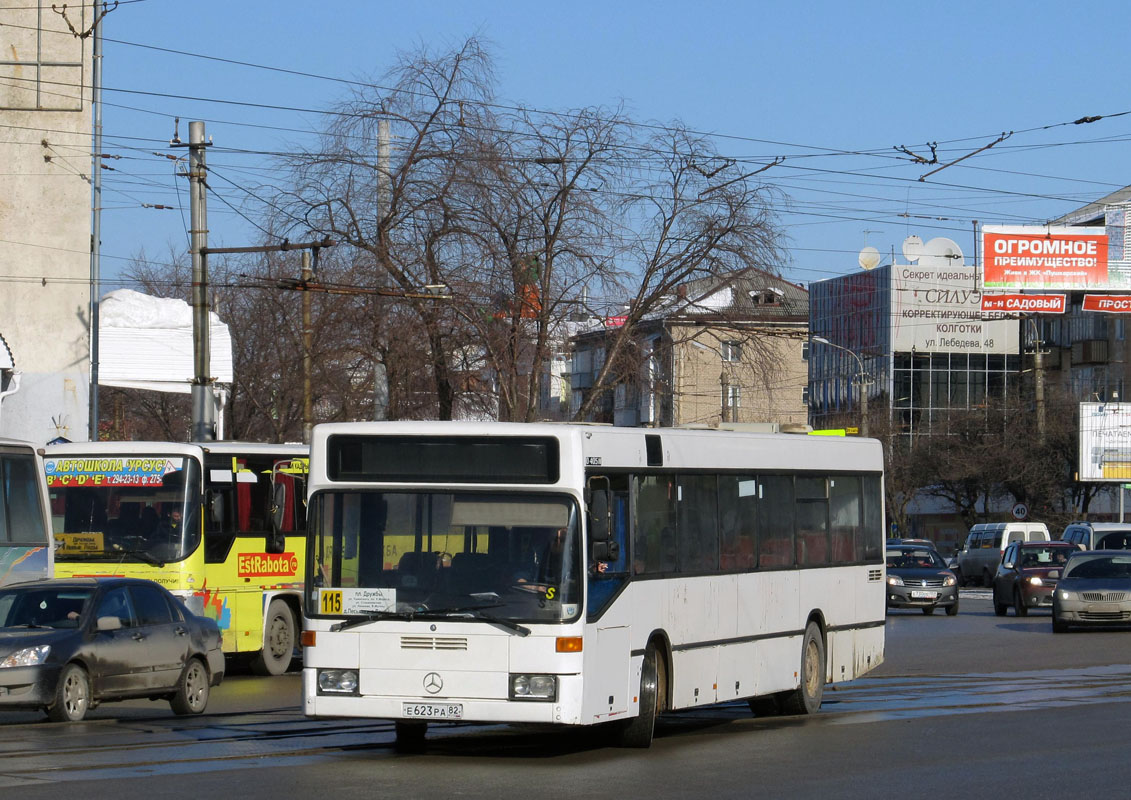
<point>637,732</point>
<point>278,641</point>
<point>806,698</point>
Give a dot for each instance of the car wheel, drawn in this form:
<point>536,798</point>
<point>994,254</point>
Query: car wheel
<point>952,611</point>
<point>999,608</point>
<point>1019,607</point>
<point>191,696</point>
<point>278,641</point>
<point>806,698</point>
<point>929,610</point>
<point>637,732</point>
<point>72,695</point>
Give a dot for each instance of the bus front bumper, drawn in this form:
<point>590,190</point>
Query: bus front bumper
<point>565,709</point>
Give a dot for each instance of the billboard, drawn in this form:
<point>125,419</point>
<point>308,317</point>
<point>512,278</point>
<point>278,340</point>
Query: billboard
<point>1105,442</point>
<point>938,309</point>
<point>1048,257</point>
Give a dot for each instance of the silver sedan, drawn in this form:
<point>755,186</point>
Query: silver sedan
<point>1094,590</point>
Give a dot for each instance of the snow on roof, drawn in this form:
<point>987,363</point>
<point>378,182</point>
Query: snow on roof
<point>145,342</point>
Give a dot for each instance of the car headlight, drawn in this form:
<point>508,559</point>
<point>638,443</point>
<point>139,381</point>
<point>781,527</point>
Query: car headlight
<point>28,657</point>
<point>1036,581</point>
<point>337,681</point>
<point>1065,595</point>
<point>895,580</point>
<point>534,687</point>
<point>949,581</point>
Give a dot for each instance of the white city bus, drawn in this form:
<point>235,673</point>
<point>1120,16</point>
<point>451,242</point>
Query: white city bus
<point>575,575</point>
<point>25,541</point>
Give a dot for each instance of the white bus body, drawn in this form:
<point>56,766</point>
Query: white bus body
<point>25,543</point>
<point>750,566</point>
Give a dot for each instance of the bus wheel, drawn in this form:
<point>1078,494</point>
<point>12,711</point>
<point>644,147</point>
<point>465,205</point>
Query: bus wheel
<point>410,735</point>
<point>278,641</point>
<point>637,732</point>
<point>806,698</point>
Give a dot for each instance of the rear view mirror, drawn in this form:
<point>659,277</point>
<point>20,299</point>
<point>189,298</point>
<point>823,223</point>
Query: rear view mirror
<point>108,623</point>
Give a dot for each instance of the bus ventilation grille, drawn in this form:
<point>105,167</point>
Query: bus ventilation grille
<point>875,575</point>
<point>433,643</point>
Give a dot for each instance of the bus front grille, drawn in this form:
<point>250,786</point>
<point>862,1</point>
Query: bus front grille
<point>433,643</point>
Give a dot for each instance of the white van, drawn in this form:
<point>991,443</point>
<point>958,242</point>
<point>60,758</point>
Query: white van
<point>980,555</point>
<point>1099,535</point>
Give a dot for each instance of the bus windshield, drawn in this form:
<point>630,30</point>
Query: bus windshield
<point>142,508</point>
<point>417,554</point>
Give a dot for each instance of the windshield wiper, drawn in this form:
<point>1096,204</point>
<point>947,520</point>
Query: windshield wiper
<point>373,617</point>
<point>476,612</point>
<point>142,556</point>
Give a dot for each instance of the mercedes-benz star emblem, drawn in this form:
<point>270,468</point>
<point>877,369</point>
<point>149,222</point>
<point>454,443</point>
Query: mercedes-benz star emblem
<point>433,682</point>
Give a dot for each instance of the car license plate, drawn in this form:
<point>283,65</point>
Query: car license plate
<point>433,710</point>
<point>921,595</point>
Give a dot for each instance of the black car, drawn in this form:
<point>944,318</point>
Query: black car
<point>67,645</point>
<point>918,578</point>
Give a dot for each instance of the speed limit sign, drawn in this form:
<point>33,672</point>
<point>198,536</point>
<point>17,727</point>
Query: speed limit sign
<point>1020,511</point>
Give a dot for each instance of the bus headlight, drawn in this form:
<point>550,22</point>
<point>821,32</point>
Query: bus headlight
<point>337,681</point>
<point>534,687</point>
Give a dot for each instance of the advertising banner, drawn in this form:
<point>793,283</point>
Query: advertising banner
<point>1025,303</point>
<point>938,309</point>
<point>1105,442</point>
<point>105,472</point>
<point>1108,303</point>
<point>1047,257</point>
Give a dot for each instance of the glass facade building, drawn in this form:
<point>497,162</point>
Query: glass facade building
<point>858,325</point>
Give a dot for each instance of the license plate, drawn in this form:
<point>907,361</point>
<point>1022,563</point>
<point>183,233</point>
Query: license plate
<point>921,595</point>
<point>433,710</point>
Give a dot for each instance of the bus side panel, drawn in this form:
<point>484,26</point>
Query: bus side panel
<point>694,616</point>
<point>609,685</point>
<point>768,612</point>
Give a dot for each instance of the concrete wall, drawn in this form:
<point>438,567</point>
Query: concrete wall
<point>45,198</point>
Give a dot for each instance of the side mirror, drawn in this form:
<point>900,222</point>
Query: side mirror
<point>607,550</point>
<point>108,623</point>
<point>1008,565</point>
<point>1054,573</point>
<point>599,515</point>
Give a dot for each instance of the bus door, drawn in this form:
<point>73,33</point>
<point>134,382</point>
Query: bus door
<point>608,647</point>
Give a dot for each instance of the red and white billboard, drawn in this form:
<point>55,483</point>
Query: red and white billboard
<point>1045,257</point>
<point>1108,303</point>
<point>1025,303</point>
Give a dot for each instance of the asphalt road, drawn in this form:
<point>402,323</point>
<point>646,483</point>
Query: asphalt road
<point>966,704</point>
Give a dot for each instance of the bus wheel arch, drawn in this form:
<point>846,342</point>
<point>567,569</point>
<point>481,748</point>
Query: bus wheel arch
<point>280,636</point>
<point>655,672</point>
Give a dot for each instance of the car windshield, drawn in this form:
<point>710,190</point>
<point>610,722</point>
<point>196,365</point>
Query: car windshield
<point>1042,557</point>
<point>413,554</point>
<point>42,607</point>
<point>917,558</point>
<point>1118,567</point>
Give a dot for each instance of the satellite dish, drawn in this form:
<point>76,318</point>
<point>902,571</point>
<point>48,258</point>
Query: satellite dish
<point>869,257</point>
<point>941,252</point>
<point>912,248</point>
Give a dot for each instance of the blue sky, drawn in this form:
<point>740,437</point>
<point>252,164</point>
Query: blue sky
<point>833,87</point>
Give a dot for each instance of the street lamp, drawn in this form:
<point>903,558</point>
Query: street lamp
<point>862,377</point>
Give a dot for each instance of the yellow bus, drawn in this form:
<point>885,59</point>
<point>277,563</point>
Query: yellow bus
<point>222,525</point>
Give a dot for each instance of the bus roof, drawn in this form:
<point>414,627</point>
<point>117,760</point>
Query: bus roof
<point>196,449</point>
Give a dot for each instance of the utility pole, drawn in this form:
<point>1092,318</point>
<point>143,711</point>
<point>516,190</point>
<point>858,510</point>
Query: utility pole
<point>203,401</point>
<point>307,358</point>
<point>96,223</point>
<point>384,195</point>
<point>1038,380</point>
